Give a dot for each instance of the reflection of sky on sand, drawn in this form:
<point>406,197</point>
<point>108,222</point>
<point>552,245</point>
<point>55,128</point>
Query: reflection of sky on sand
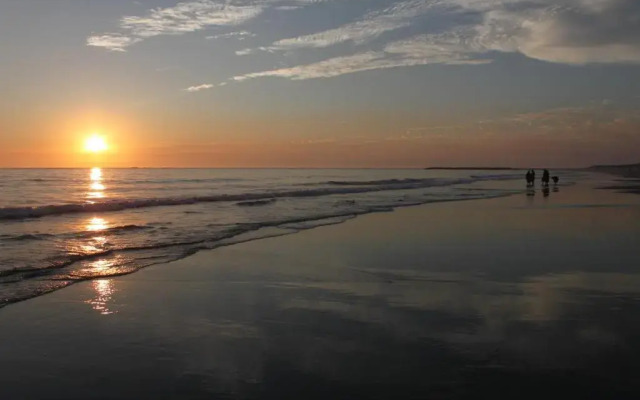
<point>104,290</point>
<point>535,284</point>
<point>420,329</point>
<point>489,305</point>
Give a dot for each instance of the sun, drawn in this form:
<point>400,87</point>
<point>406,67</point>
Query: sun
<point>95,144</point>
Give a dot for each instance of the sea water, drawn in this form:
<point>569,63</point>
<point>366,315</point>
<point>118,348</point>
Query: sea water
<point>60,226</point>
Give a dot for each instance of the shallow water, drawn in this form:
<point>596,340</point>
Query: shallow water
<point>58,226</point>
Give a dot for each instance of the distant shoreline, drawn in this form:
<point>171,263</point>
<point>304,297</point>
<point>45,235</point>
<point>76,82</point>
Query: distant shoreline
<point>626,170</point>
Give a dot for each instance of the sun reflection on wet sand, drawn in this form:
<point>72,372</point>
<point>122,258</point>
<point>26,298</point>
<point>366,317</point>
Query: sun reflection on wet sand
<point>96,186</point>
<point>104,290</point>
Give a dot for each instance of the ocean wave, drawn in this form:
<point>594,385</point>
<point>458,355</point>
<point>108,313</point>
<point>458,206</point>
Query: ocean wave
<point>27,236</point>
<point>497,177</point>
<point>57,263</point>
<point>16,213</point>
<point>174,181</point>
<point>381,182</point>
<point>256,203</point>
<point>115,230</point>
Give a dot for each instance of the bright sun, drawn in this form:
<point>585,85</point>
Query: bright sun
<point>95,144</point>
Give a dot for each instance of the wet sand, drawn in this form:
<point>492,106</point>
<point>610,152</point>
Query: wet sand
<point>521,297</point>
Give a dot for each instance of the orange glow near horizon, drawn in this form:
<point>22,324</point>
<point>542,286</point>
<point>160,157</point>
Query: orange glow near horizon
<point>95,144</point>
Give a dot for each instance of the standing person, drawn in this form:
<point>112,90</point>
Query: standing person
<point>545,177</point>
<point>529,178</point>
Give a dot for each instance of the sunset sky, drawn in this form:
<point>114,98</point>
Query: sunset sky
<point>320,83</point>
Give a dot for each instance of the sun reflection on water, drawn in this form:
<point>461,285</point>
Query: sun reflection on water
<point>101,265</point>
<point>96,174</point>
<point>94,244</point>
<point>97,224</point>
<point>96,185</point>
<point>104,290</point>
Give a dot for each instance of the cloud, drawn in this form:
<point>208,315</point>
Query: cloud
<point>370,26</point>
<point>198,88</point>
<point>583,122</point>
<point>182,18</point>
<point>450,48</point>
<point>113,42</point>
<point>567,31</point>
<point>240,35</point>
<point>596,123</point>
<point>189,16</point>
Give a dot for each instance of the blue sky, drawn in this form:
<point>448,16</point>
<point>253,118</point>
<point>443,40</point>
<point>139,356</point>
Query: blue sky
<point>562,74</point>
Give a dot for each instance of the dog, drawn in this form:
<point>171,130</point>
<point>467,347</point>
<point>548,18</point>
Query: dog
<point>555,179</point>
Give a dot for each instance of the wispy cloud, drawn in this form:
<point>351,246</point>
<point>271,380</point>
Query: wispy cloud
<point>198,88</point>
<point>112,41</point>
<point>370,26</point>
<point>567,32</point>
<point>189,16</point>
<point>587,122</point>
<point>240,35</point>
<point>450,48</point>
<point>596,122</point>
<point>182,18</point>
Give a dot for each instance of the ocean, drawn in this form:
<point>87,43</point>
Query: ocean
<point>61,226</point>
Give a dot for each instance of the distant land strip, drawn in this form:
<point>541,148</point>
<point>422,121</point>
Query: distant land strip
<point>625,170</point>
<point>477,168</point>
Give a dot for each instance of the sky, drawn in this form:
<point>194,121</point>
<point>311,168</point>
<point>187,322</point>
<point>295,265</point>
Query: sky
<point>320,83</point>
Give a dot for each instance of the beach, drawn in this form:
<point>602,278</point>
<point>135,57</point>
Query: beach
<point>526,295</point>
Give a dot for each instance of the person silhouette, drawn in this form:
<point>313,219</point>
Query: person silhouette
<point>531,177</point>
<point>545,178</point>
